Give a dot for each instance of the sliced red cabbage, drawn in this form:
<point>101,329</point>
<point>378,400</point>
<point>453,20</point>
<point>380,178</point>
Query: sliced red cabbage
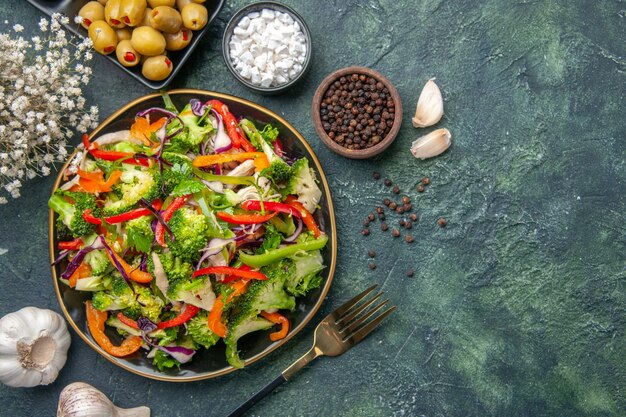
<point>197,107</point>
<point>295,234</point>
<point>180,353</point>
<point>117,264</point>
<point>80,256</point>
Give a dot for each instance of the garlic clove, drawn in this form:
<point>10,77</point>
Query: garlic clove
<point>429,108</point>
<point>82,400</point>
<point>432,144</point>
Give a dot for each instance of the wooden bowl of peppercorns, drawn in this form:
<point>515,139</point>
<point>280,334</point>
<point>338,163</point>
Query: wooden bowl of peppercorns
<point>357,112</point>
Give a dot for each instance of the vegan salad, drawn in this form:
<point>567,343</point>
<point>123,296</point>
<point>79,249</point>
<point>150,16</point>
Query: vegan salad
<point>189,228</point>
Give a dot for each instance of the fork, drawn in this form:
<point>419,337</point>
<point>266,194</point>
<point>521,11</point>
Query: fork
<point>336,334</point>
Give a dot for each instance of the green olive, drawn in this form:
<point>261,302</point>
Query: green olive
<point>103,37</point>
<point>157,3</point>
<point>91,12</point>
<point>126,54</point>
<point>102,2</point>
<point>146,17</point>
<point>148,41</point>
<point>177,41</point>
<point>157,68</point>
<point>133,11</point>
<point>195,16</point>
<point>113,14</point>
<point>166,19</point>
<point>123,34</point>
<point>180,4</point>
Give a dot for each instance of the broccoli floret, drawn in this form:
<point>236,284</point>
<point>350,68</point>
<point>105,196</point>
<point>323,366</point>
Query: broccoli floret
<point>191,232</point>
<point>71,214</point>
<point>122,328</point>
<point>99,262</point>
<point>139,302</point>
<point>150,305</point>
<point>304,185</point>
<point>269,133</point>
<point>120,297</point>
<point>163,361</point>
<point>135,185</point>
<point>139,233</point>
<point>304,275</point>
<point>180,180</point>
<point>195,131</point>
<point>279,172</point>
<point>198,330</point>
<point>263,295</point>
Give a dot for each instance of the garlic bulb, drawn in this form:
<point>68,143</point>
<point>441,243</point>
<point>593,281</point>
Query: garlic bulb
<point>82,400</point>
<point>432,144</point>
<point>33,347</point>
<point>429,108</point>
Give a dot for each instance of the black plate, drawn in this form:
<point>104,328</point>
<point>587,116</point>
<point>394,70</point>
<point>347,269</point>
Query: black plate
<point>212,362</point>
<point>70,9</point>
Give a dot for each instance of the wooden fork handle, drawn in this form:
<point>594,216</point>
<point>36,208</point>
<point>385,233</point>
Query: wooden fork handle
<point>258,396</point>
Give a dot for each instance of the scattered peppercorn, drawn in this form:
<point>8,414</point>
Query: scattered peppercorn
<point>410,273</point>
<point>371,254</point>
<point>379,210</point>
<point>420,188</point>
<point>442,222</point>
<point>376,175</point>
<point>354,114</point>
<point>388,182</point>
<point>393,205</point>
<point>371,266</point>
<point>381,216</point>
<point>400,210</point>
<point>408,224</point>
<point>425,181</point>
<point>402,223</point>
<point>395,232</point>
<point>366,223</point>
<point>406,200</point>
<point>386,201</point>
<point>365,232</point>
<point>413,217</point>
<point>396,190</point>
<point>407,207</point>
<point>384,227</point>
<point>409,238</point>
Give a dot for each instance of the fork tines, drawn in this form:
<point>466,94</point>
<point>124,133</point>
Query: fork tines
<point>359,316</point>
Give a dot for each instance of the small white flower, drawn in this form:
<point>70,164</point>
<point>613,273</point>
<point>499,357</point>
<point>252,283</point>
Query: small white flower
<point>18,28</point>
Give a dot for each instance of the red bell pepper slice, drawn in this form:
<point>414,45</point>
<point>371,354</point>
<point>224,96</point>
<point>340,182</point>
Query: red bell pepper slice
<point>255,205</point>
<point>277,318</point>
<point>187,314</point>
<point>244,218</point>
<point>307,217</point>
<point>90,218</point>
<point>159,232</point>
<point>235,272</point>
<point>127,321</point>
<point>133,214</point>
<point>75,244</point>
<point>232,127</point>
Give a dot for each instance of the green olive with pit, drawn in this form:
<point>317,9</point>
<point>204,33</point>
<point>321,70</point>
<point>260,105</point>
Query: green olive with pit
<point>133,11</point>
<point>148,41</point>
<point>91,12</point>
<point>157,68</point>
<point>180,4</point>
<point>126,54</point>
<point>123,34</point>
<point>166,19</point>
<point>177,41</point>
<point>157,3</point>
<point>195,16</point>
<point>103,37</point>
<point>113,14</point>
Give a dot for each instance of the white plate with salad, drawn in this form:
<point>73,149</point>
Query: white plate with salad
<point>191,234</point>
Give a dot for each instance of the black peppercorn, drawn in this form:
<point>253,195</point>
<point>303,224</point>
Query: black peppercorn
<point>386,201</point>
<point>410,273</point>
<point>393,205</point>
<point>406,199</point>
<point>420,188</point>
<point>413,217</point>
<point>387,182</point>
<point>371,254</point>
<point>400,210</point>
<point>365,232</point>
<point>407,207</point>
<point>384,227</point>
<point>379,210</point>
<point>395,232</point>
<point>408,224</point>
<point>366,223</point>
<point>376,175</point>
<point>401,223</point>
<point>425,181</point>
<point>409,238</point>
<point>396,190</point>
<point>442,222</point>
<point>371,266</point>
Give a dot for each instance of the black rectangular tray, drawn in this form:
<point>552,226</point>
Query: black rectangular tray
<point>70,9</point>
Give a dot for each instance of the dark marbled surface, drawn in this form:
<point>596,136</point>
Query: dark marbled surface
<point>516,307</point>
